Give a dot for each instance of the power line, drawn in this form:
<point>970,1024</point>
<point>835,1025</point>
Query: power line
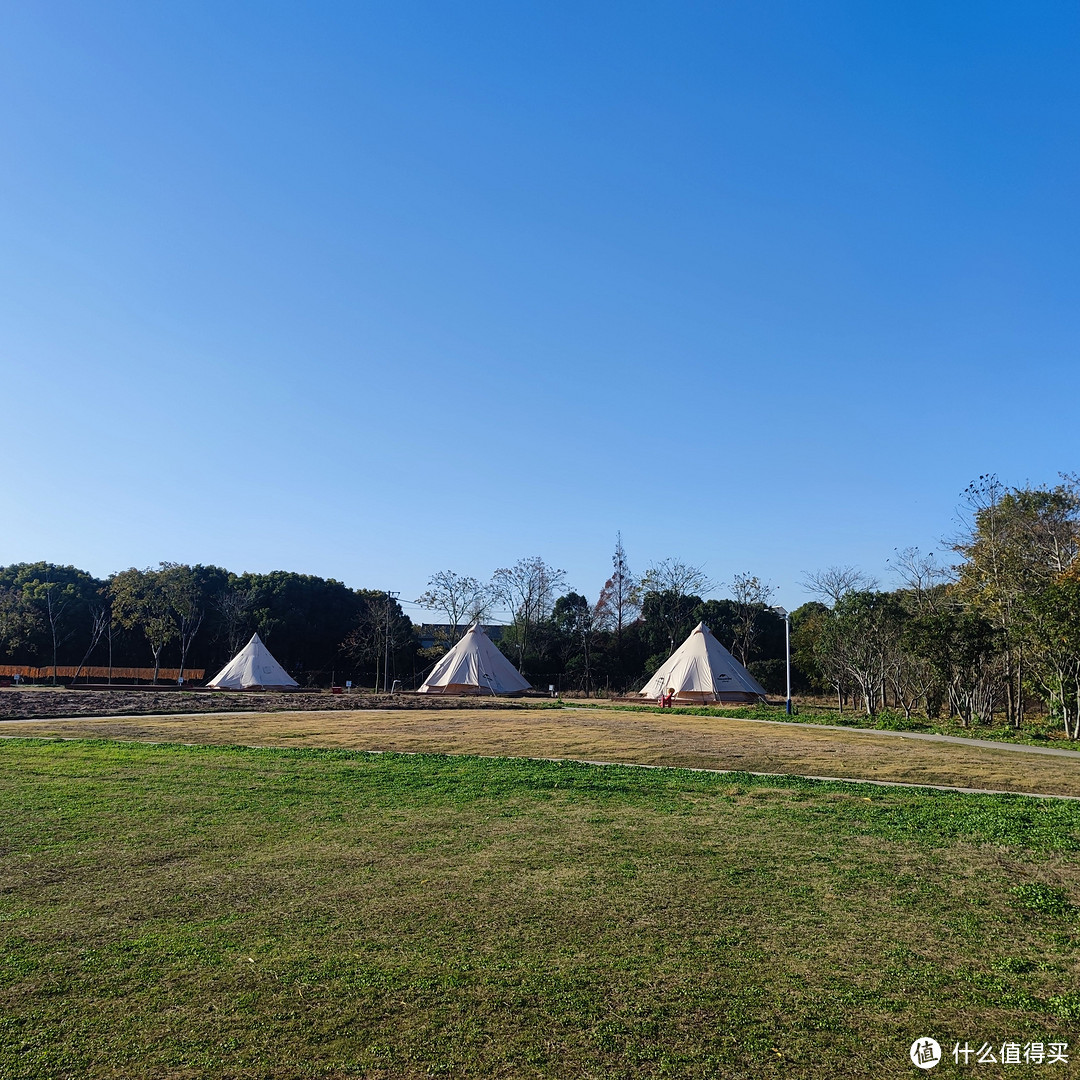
<point>495,616</point>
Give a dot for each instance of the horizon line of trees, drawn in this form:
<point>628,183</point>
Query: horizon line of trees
<point>198,617</point>
<point>321,631</point>
<point>981,637</point>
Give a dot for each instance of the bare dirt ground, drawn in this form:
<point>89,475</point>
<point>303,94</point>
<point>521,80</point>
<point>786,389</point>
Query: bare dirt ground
<point>37,702</point>
<point>590,734</point>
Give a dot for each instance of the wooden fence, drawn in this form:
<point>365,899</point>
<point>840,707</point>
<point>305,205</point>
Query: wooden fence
<point>131,674</point>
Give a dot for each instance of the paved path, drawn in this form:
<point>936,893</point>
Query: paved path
<point>958,740</point>
<point>844,780</point>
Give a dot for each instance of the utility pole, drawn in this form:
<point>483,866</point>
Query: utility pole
<point>386,659</point>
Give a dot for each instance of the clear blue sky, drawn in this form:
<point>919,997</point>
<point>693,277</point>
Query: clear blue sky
<point>372,290</point>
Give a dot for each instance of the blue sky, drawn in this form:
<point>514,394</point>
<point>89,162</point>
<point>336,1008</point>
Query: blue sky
<point>374,290</point>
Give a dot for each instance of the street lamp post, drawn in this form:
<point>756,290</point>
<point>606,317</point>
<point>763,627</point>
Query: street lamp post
<point>786,616</point>
<point>386,660</point>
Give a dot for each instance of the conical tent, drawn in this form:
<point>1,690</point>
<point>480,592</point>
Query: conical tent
<point>700,671</point>
<point>474,666</point>
<point>253,668</point>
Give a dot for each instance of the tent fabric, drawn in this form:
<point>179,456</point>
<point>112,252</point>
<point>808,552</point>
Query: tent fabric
<point>253,668</point>
<point>474,666</point>
<point>700,671</point>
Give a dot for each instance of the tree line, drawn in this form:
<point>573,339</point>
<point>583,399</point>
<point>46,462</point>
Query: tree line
<point>614,643</point>
<point>981,637</point>
<point>981,633</point>
<point>198,617</point>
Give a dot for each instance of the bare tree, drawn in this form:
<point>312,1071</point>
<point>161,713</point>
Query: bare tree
<point>830,586</point>
<point>620,598</point>
<point>380,631</point>
<point>185,598</point>
<point>578,621</point>
<point>752,596</point>
<point>462,599</point>
<point>529,589</point>
<point>100,618</point>
<point>922,575</point>
<point>673,576</point>
<point>56,603</point>
<point>234,606</point>
<point>57,599</point>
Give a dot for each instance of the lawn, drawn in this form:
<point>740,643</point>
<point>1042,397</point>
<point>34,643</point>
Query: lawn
<point>175,911</point>
<point>674,738</point>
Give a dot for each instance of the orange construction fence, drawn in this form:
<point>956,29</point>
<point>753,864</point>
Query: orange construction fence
<point>138,674</point>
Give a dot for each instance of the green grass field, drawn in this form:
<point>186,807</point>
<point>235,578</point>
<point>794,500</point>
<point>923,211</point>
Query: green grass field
<point>178,912</point>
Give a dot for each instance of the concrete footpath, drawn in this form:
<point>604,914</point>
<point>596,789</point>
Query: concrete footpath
<point>958,740</point>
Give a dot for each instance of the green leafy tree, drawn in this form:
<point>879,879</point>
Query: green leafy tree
<point>61,596</point>
<point>303,619</point>
<point>20,622</point>
<point>141,601</point>
<point>575,623</point>
<point>1016,541</point>
<point>668,617</point>
<point>190,591</point>
<point>1052,626</point>
<point>854,641</point>
<point>806,671</point>
<point>961,647</point>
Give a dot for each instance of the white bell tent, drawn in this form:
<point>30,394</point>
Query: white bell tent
<point>253,668</point>
<point>474,666</point>
<point>701,671</point>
